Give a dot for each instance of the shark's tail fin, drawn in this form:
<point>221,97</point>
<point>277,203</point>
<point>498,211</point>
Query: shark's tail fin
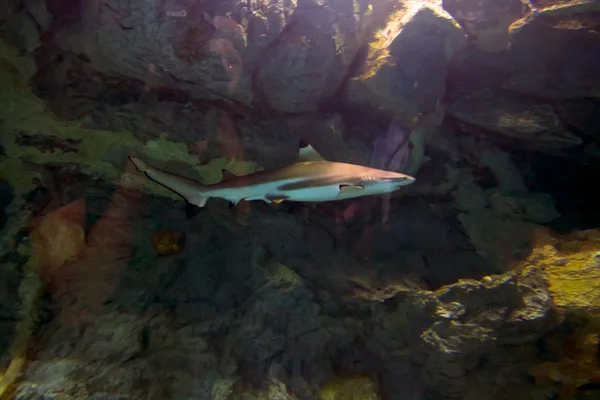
<point>191,191</point>
<point>139,164</point>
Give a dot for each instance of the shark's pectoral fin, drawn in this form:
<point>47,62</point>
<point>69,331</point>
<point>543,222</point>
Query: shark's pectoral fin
<point>193,206</point>
<point>307,153</point>
<point>233,204</point>
<point>276,199</point>
<point>199,201</point>
<point>344,188</point>
<point>191,210</point>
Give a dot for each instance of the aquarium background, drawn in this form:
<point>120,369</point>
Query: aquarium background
<point>479,281</point>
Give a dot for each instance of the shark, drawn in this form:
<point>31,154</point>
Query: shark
<point>311,178</point>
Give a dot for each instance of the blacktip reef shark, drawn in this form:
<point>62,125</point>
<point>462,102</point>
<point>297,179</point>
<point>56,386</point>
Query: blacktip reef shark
<point>310,179</point>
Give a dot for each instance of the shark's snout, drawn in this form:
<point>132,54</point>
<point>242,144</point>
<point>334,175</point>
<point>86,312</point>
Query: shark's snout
<point>408,180</point>
<point>399,180</point>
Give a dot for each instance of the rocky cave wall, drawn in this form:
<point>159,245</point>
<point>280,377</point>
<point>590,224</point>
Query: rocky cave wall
<point>482,285</point>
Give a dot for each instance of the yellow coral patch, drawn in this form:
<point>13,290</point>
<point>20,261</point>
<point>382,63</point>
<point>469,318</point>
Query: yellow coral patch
<point>353,387</point>
<point>167,242</point>
<point>571,266</point>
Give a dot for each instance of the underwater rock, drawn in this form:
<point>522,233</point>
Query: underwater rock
<point>497,212</point>
<point>351,388</point>
<point>498,232</point>
<point>576,367</point>
<point>21,31</point>
<point>534,124</point>
<point>9,306</point>
<point>441,344</point>
<point>580,114</point>
<point>574,60</point>
<point>38,10</point>
<point>534,207</point>
<point>185,52</point>
<point>499,311</point>
<point>309,60</point>
<point>486,22</point>
<point>64,369</point>
<point>406,66</point>
<point>6,198</point>
<point>8,8</point>
<point>570,265</point>
<point>565,70</point>
<point>496,238</point>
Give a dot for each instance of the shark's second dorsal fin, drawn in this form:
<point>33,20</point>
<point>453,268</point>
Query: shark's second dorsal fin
<point>307,153</point>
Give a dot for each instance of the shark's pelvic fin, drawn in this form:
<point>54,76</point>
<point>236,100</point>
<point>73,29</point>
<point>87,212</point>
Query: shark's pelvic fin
<point>307,153</point>
<point>277,199</point>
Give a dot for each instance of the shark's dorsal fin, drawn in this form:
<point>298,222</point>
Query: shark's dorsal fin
<point>307,153</point>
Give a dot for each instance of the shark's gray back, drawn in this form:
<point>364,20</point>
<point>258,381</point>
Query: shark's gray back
<point>302,174</point>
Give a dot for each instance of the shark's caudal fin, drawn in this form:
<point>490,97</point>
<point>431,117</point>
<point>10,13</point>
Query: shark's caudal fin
<point>307,153</point>
<point>139,164</point>
<point>192,192</point>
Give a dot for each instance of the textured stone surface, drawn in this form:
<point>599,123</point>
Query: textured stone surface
<point>485,111</point>
<point>311,57</point>
<point>532,67</point>
<point>486,22</point>
<point>406,65</point>
<point>8,8</point>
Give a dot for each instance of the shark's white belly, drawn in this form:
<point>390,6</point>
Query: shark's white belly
<point>270,190</point>
<point>320,193</point>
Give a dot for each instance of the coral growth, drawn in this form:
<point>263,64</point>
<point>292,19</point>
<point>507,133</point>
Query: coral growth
<point>571,266</point>
<point>168,242</point>
<point>350,388</point>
